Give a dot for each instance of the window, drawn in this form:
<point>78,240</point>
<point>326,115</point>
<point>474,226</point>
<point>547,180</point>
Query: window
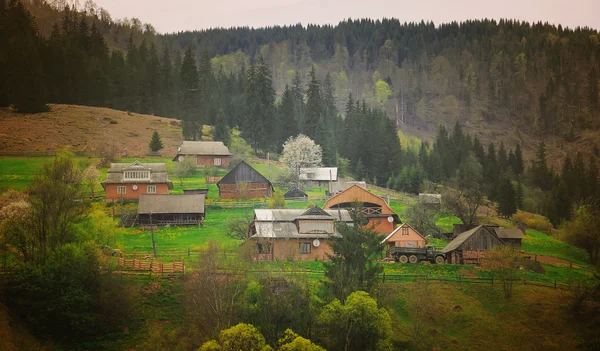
<point>310,175</point>
<point>151,189</point>
<point>264,248</point>
<point>137,175</point>
<point>304,248</point>
<point>404,230</point>
<point>217,161</point>
<point>121,189</point>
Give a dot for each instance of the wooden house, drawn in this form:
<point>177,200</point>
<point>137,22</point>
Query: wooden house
<point>318,176</point>
<point>295,194</point>
<point>244,182</point>
<point>431,200</point>
<point>378,213</point>
<point>127,181</point>
<point>471,244</point>
<point>206,153</point>
<point>173,210</point>
<point>292,234</point>
<point>404,236</point>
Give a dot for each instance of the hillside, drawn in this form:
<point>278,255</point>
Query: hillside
<point>84,130</point>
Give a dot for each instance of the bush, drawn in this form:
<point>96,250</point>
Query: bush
<point>533,221</point>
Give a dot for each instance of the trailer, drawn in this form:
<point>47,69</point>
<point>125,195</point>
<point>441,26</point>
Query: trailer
<point>415,255</point>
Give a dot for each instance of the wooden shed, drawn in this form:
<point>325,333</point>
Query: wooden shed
<point>176,210</point>
<point>295,194</point>
<point>471,243</point>
<point>379,215</point>
<point>512,237</point>
<point>244,182</point>
<point>205,153</point>
<point>404,236</point>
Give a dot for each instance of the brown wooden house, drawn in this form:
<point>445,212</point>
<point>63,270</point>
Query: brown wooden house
<point>471,244</point>
<point>172,210</point>
<point>127,181</point>
<point>295,234</point>
<point>244,182</point>
<point>404,236</point>
<point>206,153</point>
<point>379,215</point>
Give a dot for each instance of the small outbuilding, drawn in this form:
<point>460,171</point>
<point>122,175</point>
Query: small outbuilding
<point>471,243</point>
<point>244,182</point>
<point>431,200</point>
<point>404,236</point>
<point>205,153</point>
<point>295,194</point>
<point>318,176</point>
<point>175,210</point>
<point>512,237</point>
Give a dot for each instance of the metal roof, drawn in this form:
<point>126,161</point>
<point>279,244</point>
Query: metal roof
<point>319,174</point>
<point>506,233</point>
<point>210,148</point>
<point>462,237</point>
<point>294,193</point>
<point>243,173</point>
<point>337,187</point>
<point>280,223</point>
<point>158,173</point>
<point>171,204</point>
<point>430,198</point>
<point>289,215</point>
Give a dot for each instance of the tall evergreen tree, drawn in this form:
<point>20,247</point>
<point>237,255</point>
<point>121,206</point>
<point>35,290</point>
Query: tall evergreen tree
<point>542,176</point>
<point>518,167</point>
<point>221,130</point>
<point>314,111</point>
<point>299,103</point>
<point>286,121</point>
<point>507,198</point>
<point>192,125</point>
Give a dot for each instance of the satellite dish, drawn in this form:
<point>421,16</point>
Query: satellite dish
<point>316,243</point>
<point>390,219</point>
<point>135,187</point>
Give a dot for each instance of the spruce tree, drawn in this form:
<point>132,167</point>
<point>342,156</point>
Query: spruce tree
<point>155,142</point>
<point>507,198</point>
<point>518,166</point>
<point>192,125</point>
<point>314,110</point>
<point>286,121</point>
<point>541,174</point>
<point>299,103</point>
<point>222,132</point>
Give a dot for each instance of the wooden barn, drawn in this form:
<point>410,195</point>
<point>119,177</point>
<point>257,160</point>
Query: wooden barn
<point>512,237</point>
<point>431,200</point>
<point>295,234</point>
<point>173,210</point>
<point>206,153</point>
<point>244,182</point>
<point>470,244</point>
<point>379,215</point>
<point>127,181</point>
<point>404,236</point>
<point>295,194</point>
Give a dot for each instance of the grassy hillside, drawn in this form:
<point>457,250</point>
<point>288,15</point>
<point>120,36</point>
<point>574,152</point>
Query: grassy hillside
<point>84,130</point>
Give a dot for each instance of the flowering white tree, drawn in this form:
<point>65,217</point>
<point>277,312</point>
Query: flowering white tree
<point>300,152</point>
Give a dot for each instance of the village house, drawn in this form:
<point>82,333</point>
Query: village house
<point>470,245</point>
<point>127,181</point>
<point>244,182</point>
<point>404,236</point>
<point>292,234</point>
<point>431,200</point>
<point>206,153</point>
<point>172,210</point>
<point>318,176</point>
<point>378,213</point>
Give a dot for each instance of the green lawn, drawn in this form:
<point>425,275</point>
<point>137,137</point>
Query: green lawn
<point>536,242</point>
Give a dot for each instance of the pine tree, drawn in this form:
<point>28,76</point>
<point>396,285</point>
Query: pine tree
<point>222,132</point>
<point>541,174</point>
<point>507,198</point>
<point>192,125</point>
<point>299,103</point>
<point>518,166</point>
<point>519,195</point>
<point>502,158</point>
<point>314,110</point>
<point>156,143</point>
<point>286,121</point>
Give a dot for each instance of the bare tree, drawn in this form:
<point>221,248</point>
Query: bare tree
<point>91,177</point>
<point>468,195</point>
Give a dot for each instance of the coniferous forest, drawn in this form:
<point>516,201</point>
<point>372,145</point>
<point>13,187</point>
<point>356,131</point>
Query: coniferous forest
<point>346,86</point>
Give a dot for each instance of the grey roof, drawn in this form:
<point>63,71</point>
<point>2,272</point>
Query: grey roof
<point>506,233</point>
<point>158,173</point>
<point>171,204</point>
<point>210,148</point>
<point>280,224</point>
<point>315,212</point>
<point>243,173</point>
<point>338,187</point>
<point>319,174</point>
<point>294,193</point>
<point>430,198</point>
<point>289,215</point>
<point>461,238</point>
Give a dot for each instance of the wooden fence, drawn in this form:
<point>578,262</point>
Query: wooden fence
<point>212,179</point>
<point>141,262</point>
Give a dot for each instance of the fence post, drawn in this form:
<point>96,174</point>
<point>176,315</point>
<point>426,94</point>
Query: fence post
<point>554,283</point>
<point>384,277</point>
<point>188,252</point>
<point>492,280</point>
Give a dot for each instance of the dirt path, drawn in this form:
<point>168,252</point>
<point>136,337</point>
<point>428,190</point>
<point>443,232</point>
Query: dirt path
<point>548,259</point>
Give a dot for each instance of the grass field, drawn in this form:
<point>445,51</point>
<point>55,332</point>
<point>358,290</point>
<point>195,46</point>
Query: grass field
<point>543,244</point>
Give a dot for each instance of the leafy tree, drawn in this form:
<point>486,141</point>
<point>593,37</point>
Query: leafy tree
<point>469,195</point>
<point>185,168</point>
<point>277,200</point>
<point>300,152</point>
<point>294,342</point>
<point>91,177</point>
<point>237,227</point>
<point>353,265</point>
<point>239,337</point>
<point>155,142</point>
<point>357,324</point>
<point>423,218</point>
<point>503,263</point>
<point>584,230</point>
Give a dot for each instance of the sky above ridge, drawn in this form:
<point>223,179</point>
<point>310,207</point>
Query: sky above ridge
<point>180,15</point>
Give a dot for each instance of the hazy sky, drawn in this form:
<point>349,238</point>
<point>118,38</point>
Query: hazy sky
<point>178,15</point>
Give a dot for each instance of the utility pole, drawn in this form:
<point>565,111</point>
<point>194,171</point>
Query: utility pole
<point>152,231</point>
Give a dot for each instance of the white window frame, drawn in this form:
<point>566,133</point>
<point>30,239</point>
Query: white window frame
<point>121,189</point>
<point>217,161</point>
<point>151,189</point>
<point>304,245</point>
<point>136,175</point>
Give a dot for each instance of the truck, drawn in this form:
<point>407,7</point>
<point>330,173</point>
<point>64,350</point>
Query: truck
<point>417,254</point>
